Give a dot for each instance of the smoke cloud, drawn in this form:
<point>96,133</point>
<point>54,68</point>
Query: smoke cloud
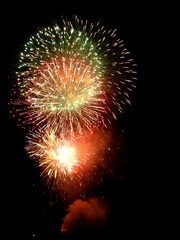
<point>90,214</point>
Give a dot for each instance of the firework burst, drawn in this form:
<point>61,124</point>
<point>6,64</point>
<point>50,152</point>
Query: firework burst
<point>74,76</point>
<point>69,163</point>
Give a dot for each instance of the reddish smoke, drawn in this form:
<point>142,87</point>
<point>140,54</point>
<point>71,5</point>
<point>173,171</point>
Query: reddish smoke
<point>87,214</point>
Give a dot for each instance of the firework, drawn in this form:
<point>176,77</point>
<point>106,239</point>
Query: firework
<point>69,163</point>
<point>73,76</point>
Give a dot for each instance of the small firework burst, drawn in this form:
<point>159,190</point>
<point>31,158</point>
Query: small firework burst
<point>69,163</point>
<point>73,76</point>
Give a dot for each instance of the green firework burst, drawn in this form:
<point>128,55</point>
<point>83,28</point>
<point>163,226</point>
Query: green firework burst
<point>73,76</point>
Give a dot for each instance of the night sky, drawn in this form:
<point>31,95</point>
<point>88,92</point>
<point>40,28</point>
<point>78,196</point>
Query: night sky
<point>31,210</point>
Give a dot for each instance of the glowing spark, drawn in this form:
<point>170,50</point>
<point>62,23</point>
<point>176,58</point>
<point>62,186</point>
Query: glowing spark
<point>65,157</point>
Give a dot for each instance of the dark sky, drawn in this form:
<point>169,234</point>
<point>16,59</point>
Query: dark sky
<point>30,211</point>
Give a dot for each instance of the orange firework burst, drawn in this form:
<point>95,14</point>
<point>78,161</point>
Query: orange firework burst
<point>69,163</point>
<point>56,156</point>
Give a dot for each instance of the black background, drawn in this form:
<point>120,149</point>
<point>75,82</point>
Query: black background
<point>29,211</point>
